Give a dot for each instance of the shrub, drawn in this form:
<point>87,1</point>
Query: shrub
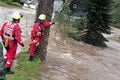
<point>70,24</point>
<point>116,14</point>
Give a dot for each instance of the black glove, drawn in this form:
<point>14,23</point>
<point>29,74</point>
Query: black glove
<point>53,22</point>
<point>22,45</point>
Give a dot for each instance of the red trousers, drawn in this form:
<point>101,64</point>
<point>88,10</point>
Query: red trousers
<point>10,54</point>
<point>33,45</point>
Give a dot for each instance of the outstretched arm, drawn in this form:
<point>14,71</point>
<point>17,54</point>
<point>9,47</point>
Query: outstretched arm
<point>48,24</point>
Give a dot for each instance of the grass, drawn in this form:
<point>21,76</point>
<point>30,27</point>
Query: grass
<point>3,3</point>
<point>26,70</point>
<point>115,14</point>
<point>8,3</point>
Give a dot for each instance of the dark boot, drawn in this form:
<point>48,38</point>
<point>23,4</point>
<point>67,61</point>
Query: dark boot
<point>8,71</point>
<point>31,58</point>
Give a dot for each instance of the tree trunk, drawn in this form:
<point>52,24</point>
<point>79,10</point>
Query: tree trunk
<point>44,7</point>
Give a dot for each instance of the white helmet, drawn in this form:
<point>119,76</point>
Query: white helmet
<point>16,15</point>
<point>42,17</point>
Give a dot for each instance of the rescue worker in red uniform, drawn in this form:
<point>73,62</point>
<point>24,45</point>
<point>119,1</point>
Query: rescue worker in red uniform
<point>11,36</point>
<point>37,33</point>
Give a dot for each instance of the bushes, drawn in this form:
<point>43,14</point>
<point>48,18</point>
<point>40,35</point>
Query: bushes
<point>63,17</point>
<point>70,24</point>
<point>98,22</point>
<point>79,25</point>
<point>14,4</point>
<point>11,2</point>
<point>26,70</point>
<point>116,14</point>
<point>16,0</point>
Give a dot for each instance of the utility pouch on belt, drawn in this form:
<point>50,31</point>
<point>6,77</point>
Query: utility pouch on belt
<point>6,43</point>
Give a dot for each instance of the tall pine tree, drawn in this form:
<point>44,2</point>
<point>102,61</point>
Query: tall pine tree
<point>98,22</point>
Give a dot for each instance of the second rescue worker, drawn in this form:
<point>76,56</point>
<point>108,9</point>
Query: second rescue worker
<point>37,32</point>
<point>11,36</point>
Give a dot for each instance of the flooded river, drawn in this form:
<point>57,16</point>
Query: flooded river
<point>71,60</point>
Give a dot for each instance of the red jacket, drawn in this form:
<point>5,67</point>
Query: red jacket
<point>12,31</point>
<point>38,29</point>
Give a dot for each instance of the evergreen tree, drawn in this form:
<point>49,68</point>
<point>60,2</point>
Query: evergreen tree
<point>98,21</point>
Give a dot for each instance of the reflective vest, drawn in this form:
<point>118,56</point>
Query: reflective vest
<point>9,30</point>
<point>37,30</point>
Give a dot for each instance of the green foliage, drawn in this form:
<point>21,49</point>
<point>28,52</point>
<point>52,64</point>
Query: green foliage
<point>2,3</point>
<point>90,28</point>
<point>16,0</point>
<point>11,2</point>
<point>66,9</point>
<point>14,4</point>
<point>79,25</point>
<point>116,13</point>
<point>70,25</point>
<point>63,17</point>
<point>98,22</point>
<point>94,38</point>
<point>26,70</point>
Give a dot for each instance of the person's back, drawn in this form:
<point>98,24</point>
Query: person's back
<point>11,36</point>
<point>36,30</point>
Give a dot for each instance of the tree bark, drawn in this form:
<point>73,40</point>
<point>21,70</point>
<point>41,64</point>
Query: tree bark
<point>44,7</point>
